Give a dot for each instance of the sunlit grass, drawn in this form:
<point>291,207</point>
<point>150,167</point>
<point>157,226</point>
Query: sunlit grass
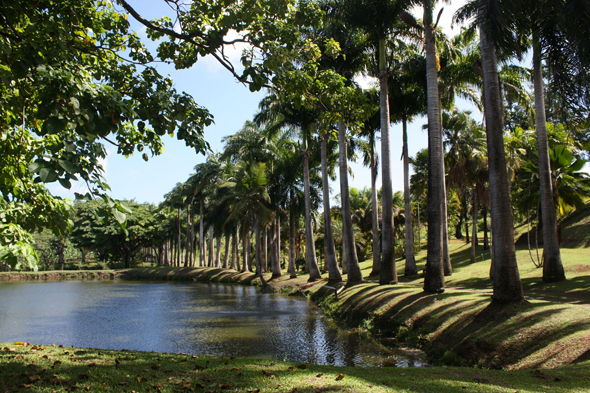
<point>48,369</point>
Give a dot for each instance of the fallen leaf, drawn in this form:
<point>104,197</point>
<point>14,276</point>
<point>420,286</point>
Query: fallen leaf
<point>253,391</point>
<point>25,386</point>
<point>18,343</point>
<point>291,367</point>
<point>302,366</point>
<point>61,346</point>
<point>123,383</point>
<point>319,375</point>
<point>198,367</point>
<point>224,386</point>
<point>266,372</point>
<point>339,377</point>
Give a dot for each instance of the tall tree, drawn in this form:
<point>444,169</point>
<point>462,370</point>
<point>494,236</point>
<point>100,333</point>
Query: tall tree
<point>434,273</point>
<point>507,284</point>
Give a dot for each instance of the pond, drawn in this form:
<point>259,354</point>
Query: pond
<point>199,319</point>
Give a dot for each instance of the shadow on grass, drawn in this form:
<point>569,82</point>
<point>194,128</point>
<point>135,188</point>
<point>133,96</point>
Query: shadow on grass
<point>110,371</point>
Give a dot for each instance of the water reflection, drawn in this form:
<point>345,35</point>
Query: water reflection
<point>212,319</point>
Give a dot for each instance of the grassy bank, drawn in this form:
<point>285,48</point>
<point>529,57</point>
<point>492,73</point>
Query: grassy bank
<point>51,369</point>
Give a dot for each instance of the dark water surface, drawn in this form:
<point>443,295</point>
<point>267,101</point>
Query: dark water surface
<point>207,319</point>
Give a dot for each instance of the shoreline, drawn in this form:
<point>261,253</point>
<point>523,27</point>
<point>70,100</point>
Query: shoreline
<point>457,328</point>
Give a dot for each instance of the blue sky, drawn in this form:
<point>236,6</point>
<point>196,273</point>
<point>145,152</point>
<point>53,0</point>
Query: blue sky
<point>231,104</point>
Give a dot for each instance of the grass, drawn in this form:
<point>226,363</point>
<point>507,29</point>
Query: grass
<point>51,369</point>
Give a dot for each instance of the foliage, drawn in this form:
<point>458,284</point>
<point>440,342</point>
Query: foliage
<point>93,230</point>
<point>66,90</point>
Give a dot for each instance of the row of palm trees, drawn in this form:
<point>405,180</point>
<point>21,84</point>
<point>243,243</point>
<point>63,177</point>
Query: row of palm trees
<point>255,179</point>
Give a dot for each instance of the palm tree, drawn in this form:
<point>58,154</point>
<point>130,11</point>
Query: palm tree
<point>334,274</point>
<point>249,198</point>
<point>407,94</point>
<point>507,285</point>
<point>434,273</point>
<point>369,130</point>
<point>378,18</point>
<point>304,121</point>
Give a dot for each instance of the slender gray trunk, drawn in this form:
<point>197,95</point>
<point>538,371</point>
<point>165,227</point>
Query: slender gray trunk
<point>211,247</point>
<point>227,243</point>
<point>507,284</point>
<point>275,246</point>
<point>264,261</point>
<point>291,270</point>
<point>388,267</point>
<point>278,249</point>
<point>410,267</point>
<point>333,270</point>
<point>178,241</point>
<point>218,250</point>
<point>235,255</point>
<point>434,277</point>
<point>354,270</point>
<point>376,270</point>
<point>202,256</point>
<point>187,245</point>
<point>310,257</point>
<point>474,227</point>
<point>246,250</point>
<point>552,265</point>
<point>447,267</point>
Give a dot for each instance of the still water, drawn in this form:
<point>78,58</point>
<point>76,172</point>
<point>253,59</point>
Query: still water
<point>207,319</point>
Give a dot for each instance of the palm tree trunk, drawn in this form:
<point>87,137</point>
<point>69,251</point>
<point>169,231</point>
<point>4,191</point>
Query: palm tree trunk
<point>434,277</point>
<point>218,251</point>
<point>291,270</point>
<point>473,227</point>
<point>388,269</point>
<point>278,249</point>
<point>211,247</point>
<point>258,247</point>
<point>227,243</point>
<point>552,265</point>
<point>310,257</point>
<point>188,236</point>
<point>192,260</point>
<point>410,267</point>
<point>507,284</point>
<point>246,250</point>
<point>447,267</point>
<point>375,214</point>
<point>178,241</point>
<point>333,271</point>
<point>275,246</point>
<point>264,261</point>
<point>235,255</point>
<point>354,270</point>
<point>486,241</point>
<point>202,256</point>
